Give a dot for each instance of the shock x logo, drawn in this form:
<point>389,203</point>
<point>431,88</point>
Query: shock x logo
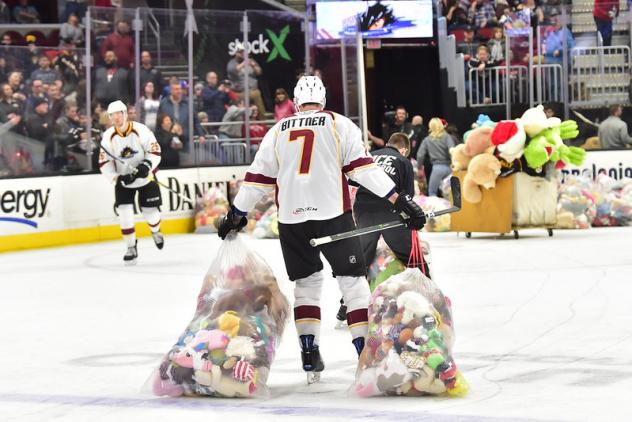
<point>261,45</point>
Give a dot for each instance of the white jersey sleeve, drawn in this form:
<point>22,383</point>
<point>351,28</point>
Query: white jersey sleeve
<point>358,164</point>
<point>106,163</point>
<point>261,177</point>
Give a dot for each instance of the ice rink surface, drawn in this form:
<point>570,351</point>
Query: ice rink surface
<point>543,326</point>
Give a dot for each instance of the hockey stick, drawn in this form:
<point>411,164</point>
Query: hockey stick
<point>584,118</point>
<point>150,176</point>
<point>456,206</point>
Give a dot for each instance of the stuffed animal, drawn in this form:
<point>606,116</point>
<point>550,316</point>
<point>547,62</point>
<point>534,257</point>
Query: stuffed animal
<point>535,121</point>
<point>228,322</point>
<point>479,141</point>
<point>509,137</point>
<point>482,171</point>
<point>460,160</point>
<point>413,304</point>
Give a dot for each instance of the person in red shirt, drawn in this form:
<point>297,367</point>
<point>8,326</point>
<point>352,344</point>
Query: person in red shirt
<point>122,43</point>
<point>283,106</point>
<point>604,13</point>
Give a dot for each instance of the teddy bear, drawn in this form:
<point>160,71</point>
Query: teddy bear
<point>478,141</point>
<point>535,121</point>
<point>391,373</point>
<point>509,137</point>
<point>482,171</point>
<point>460,160</point>
<point>225,385</point>
<point>413,304</point>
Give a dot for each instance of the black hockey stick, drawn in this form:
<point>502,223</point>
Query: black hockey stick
<point>456,206</point>
<point>150,176</point>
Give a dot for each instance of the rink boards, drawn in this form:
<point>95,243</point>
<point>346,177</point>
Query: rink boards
<point>62,210</point>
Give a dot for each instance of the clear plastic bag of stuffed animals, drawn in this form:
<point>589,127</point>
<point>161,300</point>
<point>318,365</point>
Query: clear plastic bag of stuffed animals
<point>408,349</point>
<point>229,345</point>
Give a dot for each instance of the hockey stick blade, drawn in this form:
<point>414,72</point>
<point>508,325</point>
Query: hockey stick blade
<point>455,185</point>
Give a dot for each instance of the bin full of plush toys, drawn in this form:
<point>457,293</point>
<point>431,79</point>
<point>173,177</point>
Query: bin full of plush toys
<point>408,349</point>
<point>209,209</point>
<point>229,345</point>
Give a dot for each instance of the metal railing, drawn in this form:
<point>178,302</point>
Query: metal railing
<point>548,83</point>
<point>600,75</point>
<point>153,24</point>
<point>488,86</point>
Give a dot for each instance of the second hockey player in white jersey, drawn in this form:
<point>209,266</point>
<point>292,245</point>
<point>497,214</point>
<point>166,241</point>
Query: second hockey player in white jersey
<point>307,158</point>
<point>129,157</point>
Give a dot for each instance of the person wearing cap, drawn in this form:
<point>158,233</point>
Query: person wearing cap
<point>554,42</point>
<point>468,45</point>
<point>68,64</point>
<point>39,126</point>
<point>237,72</point>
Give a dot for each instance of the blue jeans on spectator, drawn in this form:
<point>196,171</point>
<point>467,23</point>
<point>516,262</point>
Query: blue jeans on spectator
<point>605,28</point>
<point>439,172</point>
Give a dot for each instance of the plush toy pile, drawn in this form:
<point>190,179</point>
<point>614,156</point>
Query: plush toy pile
<point>228,347</point>
<point>576,207</point>
<point>613,200</point>
<point>267,224</point>
<point>434,203</point>
<point>209,209</point>
<point>409,346</point>
<point>525,144</point>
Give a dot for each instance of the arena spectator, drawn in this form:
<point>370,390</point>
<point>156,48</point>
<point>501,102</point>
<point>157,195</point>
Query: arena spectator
<point>4,70</point>
<point>68,130</point>
<point>257,129</point>
<point>69,66</point>
<point>533,11</point>
<point>176,106</point>
<point>39,126</point>
<point>31,55</point>
<point>236,70</point>
<point>437,146</point>
<point>604,13</point>
<point>283,106</point>
<point>24,13</point>
<point>215,98</point>
<point>482,13</point>
<point>455,16</point>
<point>5,13</point>
<point>38,91</point>
<point>132,113</point>
<point>169,136</point>
<point>8,103</point>
<point>71,31</point>
<point>198,103</point>
<point>468,46</point>
<point>14,57</point>
<point>554,42</point>
<point>78,97</point>
<point>613,132</point>
<point>56,101</point>
<point>100,118</point>
<point>149,105</point>
<point>111,82</point>
<point>549,111</point>
<point>148,72</point>
<point>394,124</point>
<point>234,113</point>
<point>418,135</point>
<point>15,81</point>
<point>45,73</point>
<point>497,45</point>
<point>483,86</point>
<point>121,43</point>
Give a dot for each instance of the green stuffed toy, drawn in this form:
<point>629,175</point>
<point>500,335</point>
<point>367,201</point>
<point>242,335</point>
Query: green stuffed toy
<point>548,145</point>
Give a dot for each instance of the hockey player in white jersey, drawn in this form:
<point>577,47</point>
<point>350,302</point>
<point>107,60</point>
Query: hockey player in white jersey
<point>307,158</point>
<point>134,144</point>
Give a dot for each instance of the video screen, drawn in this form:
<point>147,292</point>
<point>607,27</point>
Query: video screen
<point>378,19</point>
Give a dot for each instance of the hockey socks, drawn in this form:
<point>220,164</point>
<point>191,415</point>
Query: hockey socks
<point>307,306</point>
<point>126,220</point>
<point>356,295</point>
<point>152,217</point>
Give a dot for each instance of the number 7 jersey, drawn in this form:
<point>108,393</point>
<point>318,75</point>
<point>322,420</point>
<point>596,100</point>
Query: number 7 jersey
<point>307,158</point>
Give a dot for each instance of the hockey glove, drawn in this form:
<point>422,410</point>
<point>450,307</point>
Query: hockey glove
<point>411,213</point>
<point>231,221</point>
<point>143,169</point>
<point>127,179</point>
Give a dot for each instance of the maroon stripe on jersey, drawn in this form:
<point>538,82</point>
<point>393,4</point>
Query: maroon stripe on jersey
<point>307,312</point>
<point>154,225</point>
<point>259,178</point>
<point>128,231</point>
<point>276,195</point>
<point>156,153</point>
<point>101,164</point>
<point>362,161</point>
<point>359,315</point>
<point>331,113</point>
<point>346,199</point>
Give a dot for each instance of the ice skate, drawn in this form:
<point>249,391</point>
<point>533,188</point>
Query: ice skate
<point>341,317</point>
<point>159,239</point>
<point>312,363</point>
<point>131,255</point>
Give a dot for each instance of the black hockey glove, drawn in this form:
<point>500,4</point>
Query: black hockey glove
<point>411,213</point>
<point>231,221</point>
<point>127,179</point>
<point>143,169</point>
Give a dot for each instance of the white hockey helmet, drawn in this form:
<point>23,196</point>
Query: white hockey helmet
<point>116,106</point>
<point>309,89</point>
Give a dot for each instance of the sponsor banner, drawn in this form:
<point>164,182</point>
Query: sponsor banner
<point>615,163</point>
<point>44,204</point>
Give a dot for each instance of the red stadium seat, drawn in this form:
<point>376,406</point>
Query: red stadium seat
<point>459,34</point>
<point>17,38</point>
<point>485,33</point>
<point>53,38</point>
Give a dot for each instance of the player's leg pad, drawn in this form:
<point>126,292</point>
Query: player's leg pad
<point>307,305</point>
<point>356,295</point>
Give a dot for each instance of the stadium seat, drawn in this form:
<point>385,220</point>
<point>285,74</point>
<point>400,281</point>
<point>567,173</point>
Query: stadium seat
<point>459,34</point>
<point>485,33</point>
<point>17,38</point>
